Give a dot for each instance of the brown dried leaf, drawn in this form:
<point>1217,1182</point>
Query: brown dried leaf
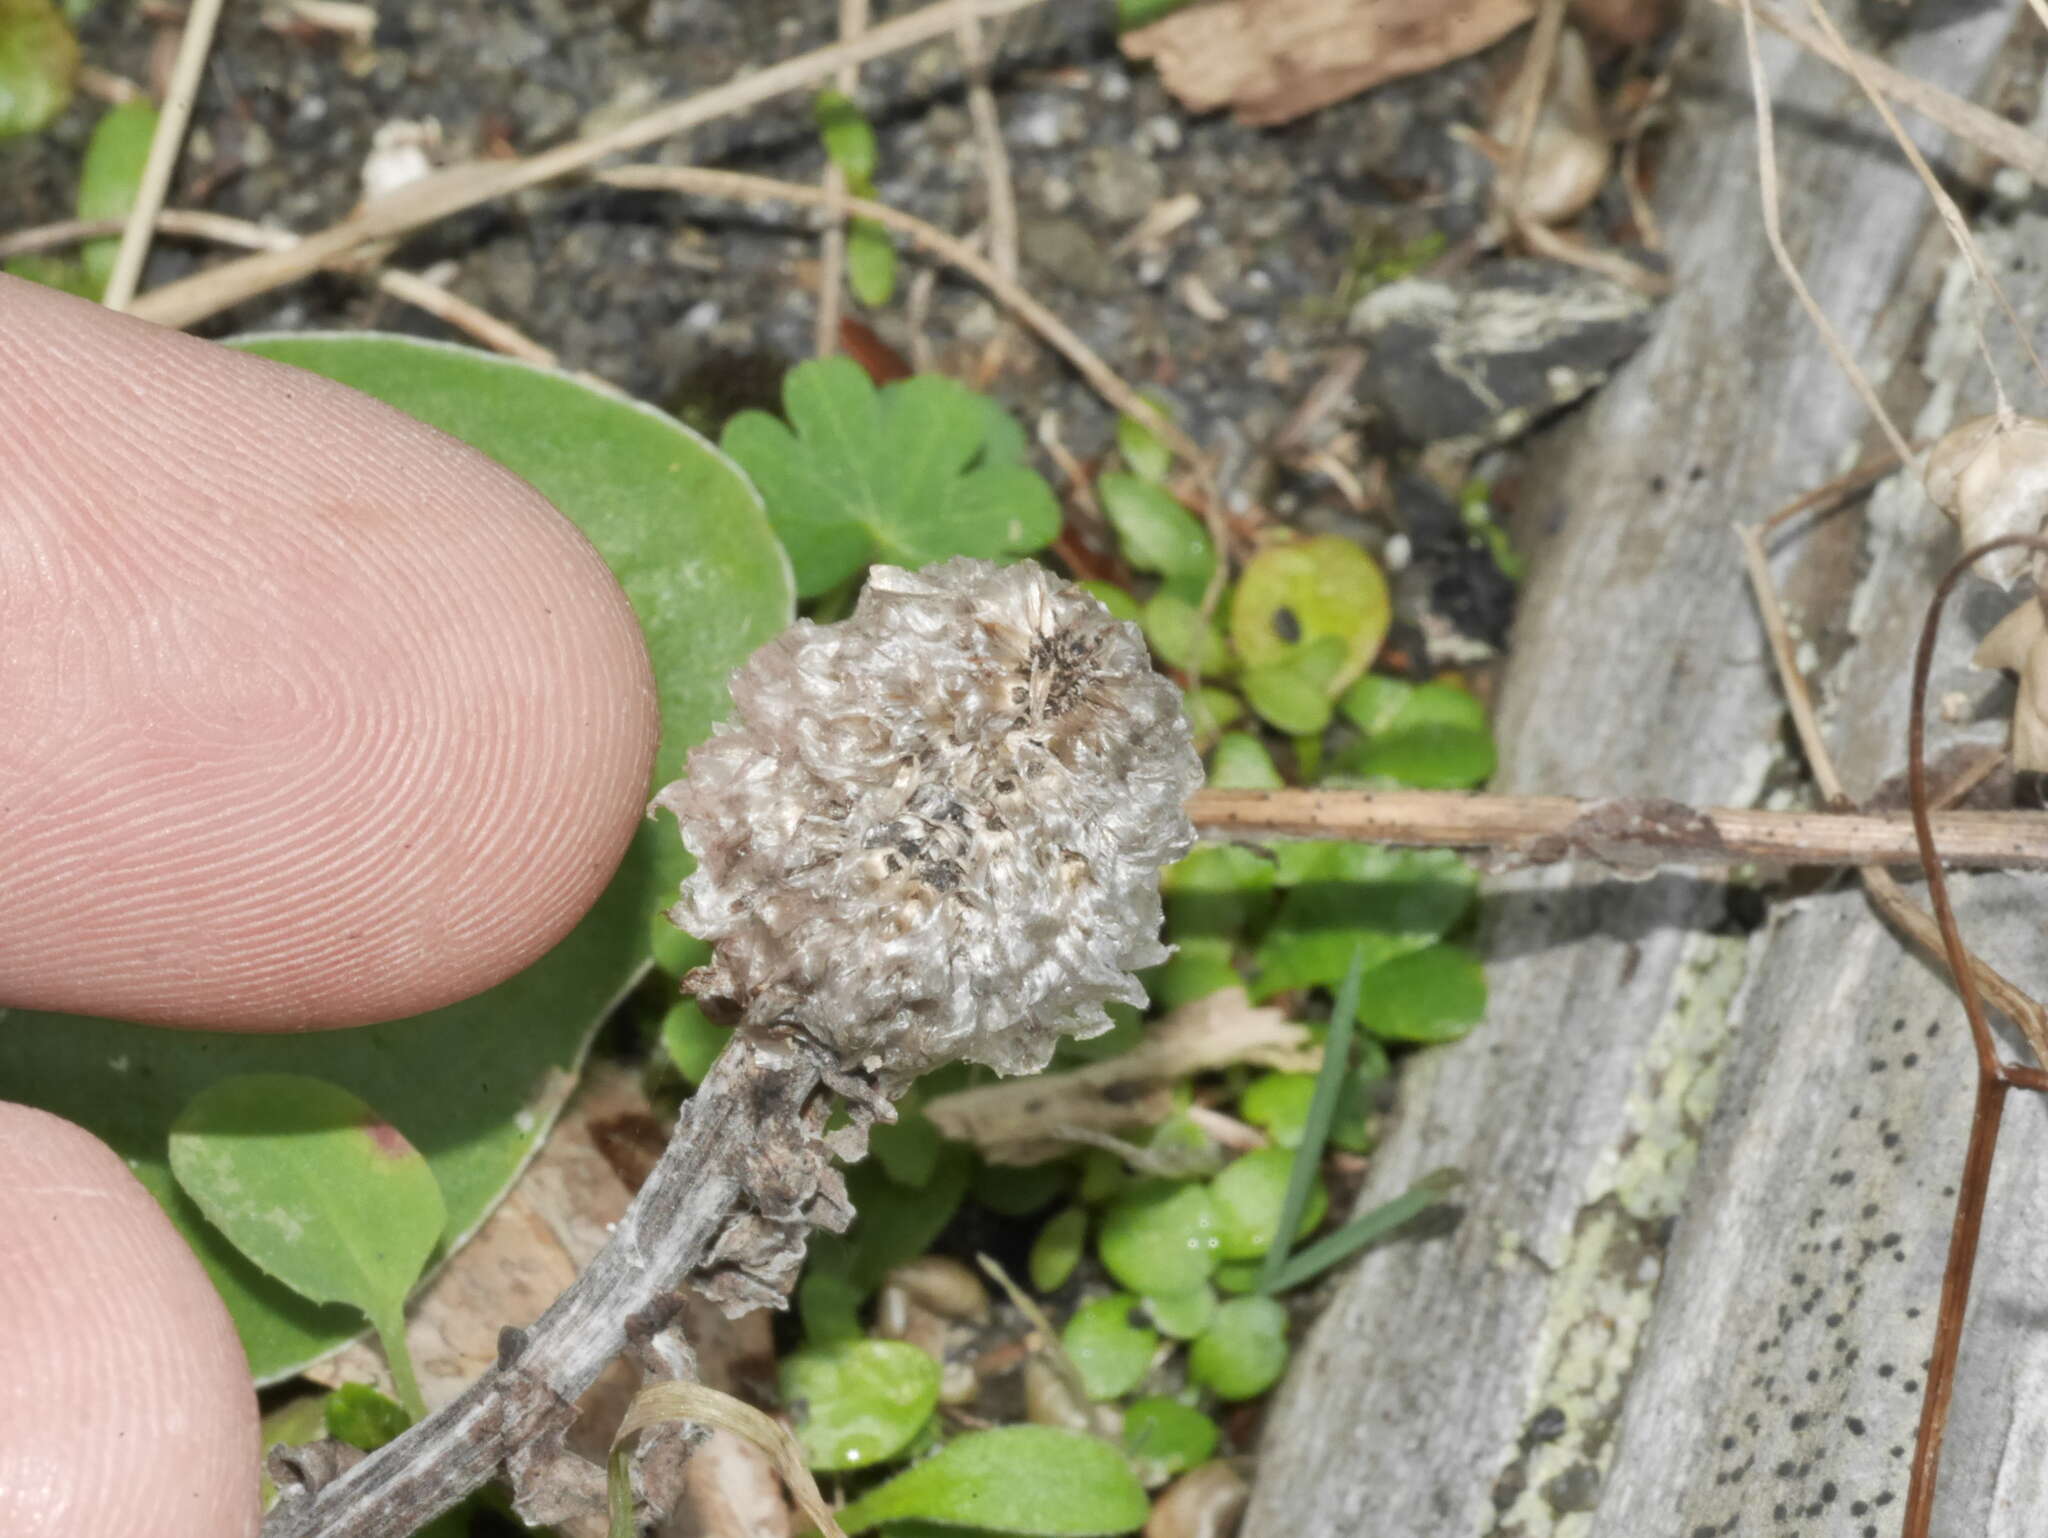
<point>1271,61</point>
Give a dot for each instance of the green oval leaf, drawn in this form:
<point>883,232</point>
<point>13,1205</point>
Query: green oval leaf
<point>1160,1237</point>
<point>1436,738</point>
<point>1286,695</point>
<point>478,1084</point>
<point>1346,898</point>
<point>1248,1196</point>
<point>1430,995</point>
<point>1057,1249</point>
<point>1111,1353</point>
<point>870,263</point>
<point>1241,762</point>
<point>38,61</point>
<point>1244,1352</point>
<point>1015,1479</point>
<point>859,1402</point>
<point>316,1189</point>
<point>849,137</point>
<point>1156,532</point>
<point>108,181</point>
<point>1173,624</point>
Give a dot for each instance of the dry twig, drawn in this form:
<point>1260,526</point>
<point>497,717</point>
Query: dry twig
<point>1629,833</point>
<point>193,46</point>
<point>853,20</point>
<point>459,187</point>
<point>408,287</point>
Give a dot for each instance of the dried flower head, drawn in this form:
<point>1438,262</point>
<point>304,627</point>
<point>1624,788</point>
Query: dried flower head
<point>934,831</point>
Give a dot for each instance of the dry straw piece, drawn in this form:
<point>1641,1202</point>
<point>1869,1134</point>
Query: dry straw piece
<point>933,832</point>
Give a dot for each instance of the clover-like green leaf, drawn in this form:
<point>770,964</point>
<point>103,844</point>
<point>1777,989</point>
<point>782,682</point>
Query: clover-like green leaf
<point>319,1191</point>
<point>1241,762</point>
<point>913,473</point>
<point>1183,1315</point>
<point>858,1403</point>
<point>1033,1480</point>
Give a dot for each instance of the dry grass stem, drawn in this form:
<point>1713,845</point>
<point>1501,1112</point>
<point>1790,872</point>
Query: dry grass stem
<point>1951,216</point>
<point>194,44</point>
<point>2002,140</point>
<point>1056,333</point>
<point>1767,185</point>
<point>853,21</point>
<point>988,141</point>
<point>448,192</point>
<point>407,287</point>
<point>1027,1121</point>
<point>672,1401</point>
<point>1530,87</point>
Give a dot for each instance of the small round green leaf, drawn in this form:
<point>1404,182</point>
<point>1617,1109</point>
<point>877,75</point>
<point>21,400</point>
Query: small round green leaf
<point>1111,1353</point>
<point>1168,1435</point>
<point>1278,1103</point>
<point>1057,1249</point>
<point>1243,1353</point>
<point>1237,1276</point>
<point>1248,1195</point>
<point>1430,995</point>
<point>1160,1237</point>
<point>1436,739</point>
<point>1293,595</point>
<point>1285,695</point>
<point>859,1402</point>
<point>1183,1315</point>
<point>1016,1479</point>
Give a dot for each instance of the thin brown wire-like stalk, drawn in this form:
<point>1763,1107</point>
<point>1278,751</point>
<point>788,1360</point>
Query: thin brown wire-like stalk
<point>1994,1078</point>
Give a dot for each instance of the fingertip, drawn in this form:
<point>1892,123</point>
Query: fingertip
<point>321,717</point>
<point>126,1405</point>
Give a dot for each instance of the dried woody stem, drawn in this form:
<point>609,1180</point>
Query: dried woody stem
<point>747,1148</point>
<point>1633,833</point>
<point>1994,1077</point>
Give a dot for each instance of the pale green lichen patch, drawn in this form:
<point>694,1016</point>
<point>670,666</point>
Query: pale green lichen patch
<point>1602,1294</point>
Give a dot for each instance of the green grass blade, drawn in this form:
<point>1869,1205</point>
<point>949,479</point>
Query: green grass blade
<point>1322,1110</point>
<point>1363,1230</point>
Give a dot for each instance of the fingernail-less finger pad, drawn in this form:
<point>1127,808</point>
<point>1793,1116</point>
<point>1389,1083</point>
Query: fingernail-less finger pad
<point>318,716</point>
<point>125,1406</point>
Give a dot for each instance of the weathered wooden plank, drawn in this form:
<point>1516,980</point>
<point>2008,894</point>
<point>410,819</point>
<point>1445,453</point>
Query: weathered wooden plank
<point>1476,1383</point>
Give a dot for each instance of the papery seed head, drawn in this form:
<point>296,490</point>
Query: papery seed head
<point>933,832</point>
